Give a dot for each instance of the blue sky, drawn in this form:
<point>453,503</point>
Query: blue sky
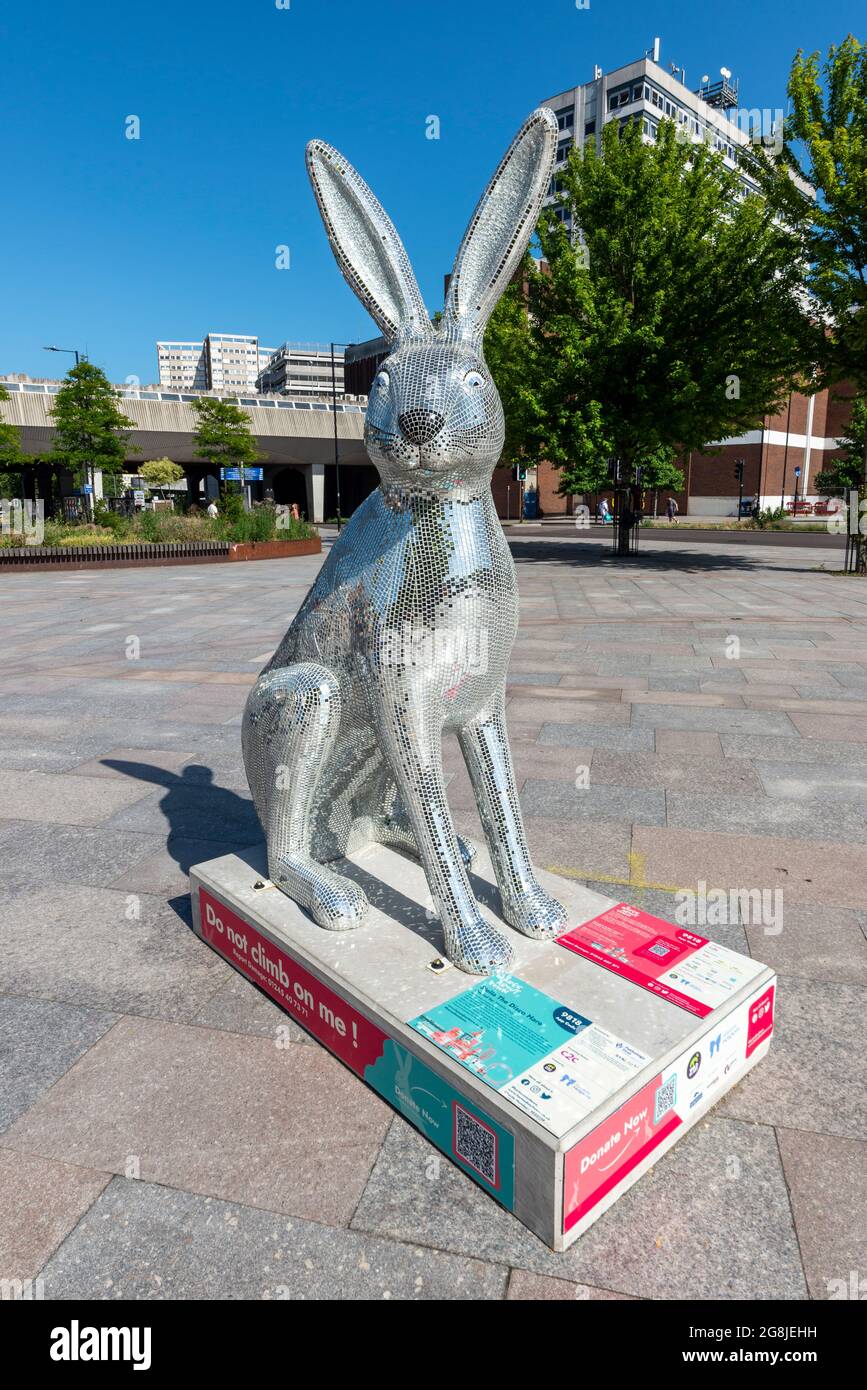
<point>107,244</point>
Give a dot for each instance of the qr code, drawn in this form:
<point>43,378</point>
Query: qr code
<point>665,1099</point>
<point>660,949</point>
<point>476,1144</point>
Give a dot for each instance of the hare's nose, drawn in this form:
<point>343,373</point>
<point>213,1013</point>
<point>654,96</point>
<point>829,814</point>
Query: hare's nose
<point>420,426</point>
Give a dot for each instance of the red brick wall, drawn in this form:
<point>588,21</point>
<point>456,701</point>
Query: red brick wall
<point>838,411</point>
<point>713,475</point>
<point>499,482</point>
<point>551,503</point>
<point>796,419</point>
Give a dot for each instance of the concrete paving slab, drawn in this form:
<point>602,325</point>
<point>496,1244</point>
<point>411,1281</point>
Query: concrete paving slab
<point>105,950</point>
<point>687,743</point>
<point>37,853</point>
<point>815,1075</point>
<point>719,721</point>
<point>40,1203</point>
<point>226,1115</point>
<point>687,772</point>
<point>770,815</point>
<point>166,869</point>
<point>725,1237</point>
<point>851,727</point>
<point>817,942</point>
<point>611,713</point>
<point>39,1042</point>
<point>832,1234</point>
<point>525,1287</point>
<point>141,1242</point>
<point>808,871</point>
<point>63,800</point>
<point>110,764</point>
<point>561,800</point>
<point>239,1007</point>
<point>600,735</point>
<point>793,750</point>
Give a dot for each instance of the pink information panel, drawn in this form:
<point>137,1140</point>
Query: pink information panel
<point>686,969</point>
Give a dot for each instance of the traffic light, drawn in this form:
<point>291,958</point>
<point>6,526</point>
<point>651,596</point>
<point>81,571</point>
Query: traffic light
<point>739,470</point>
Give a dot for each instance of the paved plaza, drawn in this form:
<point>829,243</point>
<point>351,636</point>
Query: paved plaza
<point>695,714</point>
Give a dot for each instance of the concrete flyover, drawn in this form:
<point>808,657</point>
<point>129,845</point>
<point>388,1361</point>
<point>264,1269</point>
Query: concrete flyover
<point>295,438</point>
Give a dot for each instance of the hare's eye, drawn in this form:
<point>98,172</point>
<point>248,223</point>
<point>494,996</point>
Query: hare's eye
<point>474,381</point>
<point>383,381</point>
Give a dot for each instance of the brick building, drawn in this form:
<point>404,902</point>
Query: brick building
<point>802,435</point>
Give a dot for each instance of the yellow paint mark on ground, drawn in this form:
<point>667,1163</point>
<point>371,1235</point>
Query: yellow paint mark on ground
<point>636,879</point>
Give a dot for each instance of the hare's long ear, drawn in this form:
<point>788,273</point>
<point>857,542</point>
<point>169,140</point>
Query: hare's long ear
<point>368,249</point>
<point>501,226</point>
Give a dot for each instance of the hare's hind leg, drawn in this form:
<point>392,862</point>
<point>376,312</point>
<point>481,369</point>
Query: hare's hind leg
<point>398,832</point>
<point>290,727</point>
<point>394,827</point>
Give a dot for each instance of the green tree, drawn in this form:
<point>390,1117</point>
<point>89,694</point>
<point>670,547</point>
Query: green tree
<point>161,472</point>
<point>12,459</point>
<point>507,344</point>
<point>827,128</point>
<point>90,432</point>
<point>847,469</point>
<point>222,436</point>
<point>670,317</point>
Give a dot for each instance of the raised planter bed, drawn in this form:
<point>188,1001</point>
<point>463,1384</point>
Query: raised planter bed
<point>131,554</point>
<point>272,550</point>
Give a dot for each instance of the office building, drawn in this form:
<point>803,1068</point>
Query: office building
<point>182,366</point>
<point>302,369</point>
<point>644,91</point>
<point>229,362</point>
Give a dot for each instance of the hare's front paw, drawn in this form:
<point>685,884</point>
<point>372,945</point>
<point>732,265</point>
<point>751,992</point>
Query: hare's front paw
<point>535,913</point>
<point>476,948</point>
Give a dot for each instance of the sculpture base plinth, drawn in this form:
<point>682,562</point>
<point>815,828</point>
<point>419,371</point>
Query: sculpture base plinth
<point>556,1086</point>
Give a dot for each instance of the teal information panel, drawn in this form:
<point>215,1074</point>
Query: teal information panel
<point>550,1061</point>
<point>469,1137</point>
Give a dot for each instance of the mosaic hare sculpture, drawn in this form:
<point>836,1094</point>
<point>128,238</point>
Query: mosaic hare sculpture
<point>407,632</point>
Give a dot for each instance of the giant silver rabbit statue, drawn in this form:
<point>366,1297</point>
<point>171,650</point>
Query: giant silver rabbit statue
<point>408,629</point>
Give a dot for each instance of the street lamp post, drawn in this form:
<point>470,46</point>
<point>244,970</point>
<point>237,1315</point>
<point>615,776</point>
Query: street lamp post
<point>60,349</point>
<point>739,474</point>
